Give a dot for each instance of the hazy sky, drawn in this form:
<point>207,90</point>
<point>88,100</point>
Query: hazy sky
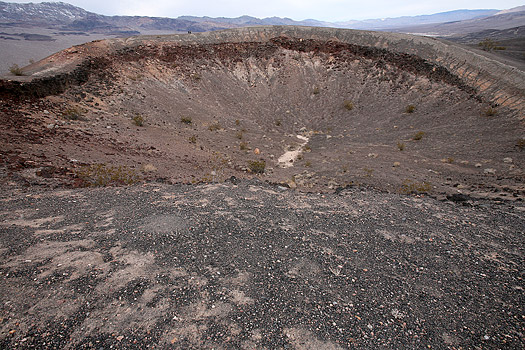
<point>327,10</point>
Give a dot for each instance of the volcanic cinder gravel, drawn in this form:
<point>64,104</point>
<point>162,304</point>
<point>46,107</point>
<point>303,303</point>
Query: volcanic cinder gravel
<point>245,264</point>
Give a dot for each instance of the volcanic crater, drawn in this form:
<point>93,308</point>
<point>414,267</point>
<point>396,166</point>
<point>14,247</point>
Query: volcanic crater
<point>319,108</point>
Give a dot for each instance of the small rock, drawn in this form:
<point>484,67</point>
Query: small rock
<point>46,111</point>
<point>397,314</point>
<point>396,164</point>
<point>507,160</point>
<point>478,165</point>
<point>50,126</point>
<point>46,172</point>
<point>458,197</point>
<point>372,155</point>
<point>257,151</point>
<point>489,171</point>
<point>332,184</point>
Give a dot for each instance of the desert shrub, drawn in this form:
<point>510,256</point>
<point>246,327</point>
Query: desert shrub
<point>348,105</point>
<point>490,112</point>
<point>368,172</point>
<point>243,146</point>
<point>73,113</point>
<point>239,135</point>
<point>137,77</point>
<point>487,44</point>
<point>16,70</point>
<point>278,122</point>
<point>401,146</point>
<point>520,144</point>
<point>410,109</point>
<point>103,175</point>
<point>418,136</point>
<point>138,120</point>
<point>257,166</point>
<point>308,163</point>
<point>193,139</point>
<point>149,168</point>
<point>307,148</point>
<point>215,127</point>
<point>237,122</point>
<point>185,120</point>
<point>316,91</point>
<point>196,76</point>
<point>413,187</point>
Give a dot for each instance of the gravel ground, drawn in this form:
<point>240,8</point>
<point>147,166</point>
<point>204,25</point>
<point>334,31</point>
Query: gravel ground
<point>251,265</point>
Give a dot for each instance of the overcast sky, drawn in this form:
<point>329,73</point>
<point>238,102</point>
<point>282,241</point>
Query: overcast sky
<point>327,10</point>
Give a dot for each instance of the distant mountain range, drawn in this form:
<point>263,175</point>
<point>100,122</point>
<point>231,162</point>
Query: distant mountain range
<point>31,31</point>
<point>442,17</point>
<point>499,21</point>
<point>67,17</point>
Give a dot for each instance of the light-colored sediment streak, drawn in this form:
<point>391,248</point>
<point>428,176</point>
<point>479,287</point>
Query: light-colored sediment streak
<point>289,157</point>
